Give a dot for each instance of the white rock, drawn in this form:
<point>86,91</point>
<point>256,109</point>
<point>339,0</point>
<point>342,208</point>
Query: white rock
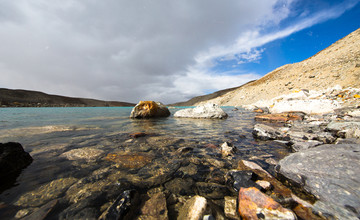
<point>203,111</point>
<point>311,106</point>
<point>193,209</point>
<point>227,149</point>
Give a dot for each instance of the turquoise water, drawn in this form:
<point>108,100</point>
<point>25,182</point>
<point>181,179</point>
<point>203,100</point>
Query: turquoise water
<point>50,133</point>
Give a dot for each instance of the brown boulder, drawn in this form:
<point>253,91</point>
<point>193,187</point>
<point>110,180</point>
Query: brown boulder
<point>149,109</point>
<point>155,208</point>
<point>254,204</point>
<point>281,117</point>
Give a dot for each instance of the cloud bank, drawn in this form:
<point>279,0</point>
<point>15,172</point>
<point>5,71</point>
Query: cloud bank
<point>136,50</point>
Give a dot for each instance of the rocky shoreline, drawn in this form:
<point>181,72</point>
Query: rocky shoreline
<point>325,139</point>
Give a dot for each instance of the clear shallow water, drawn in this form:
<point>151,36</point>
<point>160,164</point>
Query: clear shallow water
<point>49,133</point>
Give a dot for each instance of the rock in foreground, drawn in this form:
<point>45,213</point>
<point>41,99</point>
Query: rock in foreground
<point>253,204</point>
<point>149,109</point>
<point>210,111</point>
<point>330,172</point>
<point>13,159</point>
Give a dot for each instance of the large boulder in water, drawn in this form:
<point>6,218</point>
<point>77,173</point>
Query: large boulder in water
<point>149,109</point>
<point>13,159</point>
<point>202,111</point>
<point>331,173</point>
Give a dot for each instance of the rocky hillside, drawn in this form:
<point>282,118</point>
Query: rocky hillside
<point>25,98</point>
<point>339,64</point>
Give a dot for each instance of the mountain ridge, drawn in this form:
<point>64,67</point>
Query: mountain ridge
<point>29,98</point>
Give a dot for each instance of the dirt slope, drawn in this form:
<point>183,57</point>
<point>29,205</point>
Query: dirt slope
<point>339,64</point>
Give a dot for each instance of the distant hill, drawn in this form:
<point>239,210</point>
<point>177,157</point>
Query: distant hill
<point>339,64</point>
<point>26,98</point>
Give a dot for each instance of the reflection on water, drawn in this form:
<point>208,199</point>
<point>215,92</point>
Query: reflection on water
<point>81,151</point>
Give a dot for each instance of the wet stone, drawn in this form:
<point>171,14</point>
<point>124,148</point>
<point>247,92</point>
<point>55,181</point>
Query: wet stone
<point>129,160</point>
<point>86,153</point>
<point>43,212</point>
<point>123,207</point>
<point>253,203</point>
<point>193,209</point>
<point>230,208</point>
<point>155,208</point>
<point>180,186</point>
<point>137,134</point>
<point>13,159</point>
<point>212,190</point>
<point>46,192</point>
<point>237,179</point>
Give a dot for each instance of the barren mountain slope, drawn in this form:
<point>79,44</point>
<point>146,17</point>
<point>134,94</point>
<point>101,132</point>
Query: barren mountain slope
<point>339,64</point>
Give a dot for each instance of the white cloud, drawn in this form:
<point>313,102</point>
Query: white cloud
<point>133,50</point>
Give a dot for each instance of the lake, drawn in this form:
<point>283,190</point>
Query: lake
<point>78,150</point>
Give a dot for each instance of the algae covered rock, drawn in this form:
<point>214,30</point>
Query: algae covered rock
<point>149,109</point>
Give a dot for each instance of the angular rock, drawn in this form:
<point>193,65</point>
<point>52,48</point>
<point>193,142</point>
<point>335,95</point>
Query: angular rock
<point>227,149</point>
<point>123,207</point>
<point>13,159</point>
<point>329,172</point>
<point>240,178</point>
<point>155,208</point>
<point>266,132</point>
<point>264,184</point>
<point>253,204</point>
<point>149,109</point>
<point>210,111</point>
<point>345,129</point>
<point>230,209</point>
<point>129,160</point>
<point>193,209</point>
<point>299,146</point>
<point>281,118</point>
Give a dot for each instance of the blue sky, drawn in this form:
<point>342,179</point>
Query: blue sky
<point>161,50</point>
<point>305,43</point>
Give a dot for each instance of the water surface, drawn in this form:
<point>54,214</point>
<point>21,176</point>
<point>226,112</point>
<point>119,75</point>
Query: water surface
<point>49,134</point>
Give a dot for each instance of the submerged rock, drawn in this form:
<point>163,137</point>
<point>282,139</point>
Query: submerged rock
<point>253,204</point>
<point>193,209</point>
<point>330,173</point>
<point>45,193</point>
<point>149,109</point>
<point>210,111</point>
<point>129,160</point>
<point>13,159</point>
<point>123,207</point>
<point>86,153</point>
<point>155,208</point>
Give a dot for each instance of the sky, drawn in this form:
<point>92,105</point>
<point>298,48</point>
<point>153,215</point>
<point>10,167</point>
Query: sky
<point>160,50</point>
